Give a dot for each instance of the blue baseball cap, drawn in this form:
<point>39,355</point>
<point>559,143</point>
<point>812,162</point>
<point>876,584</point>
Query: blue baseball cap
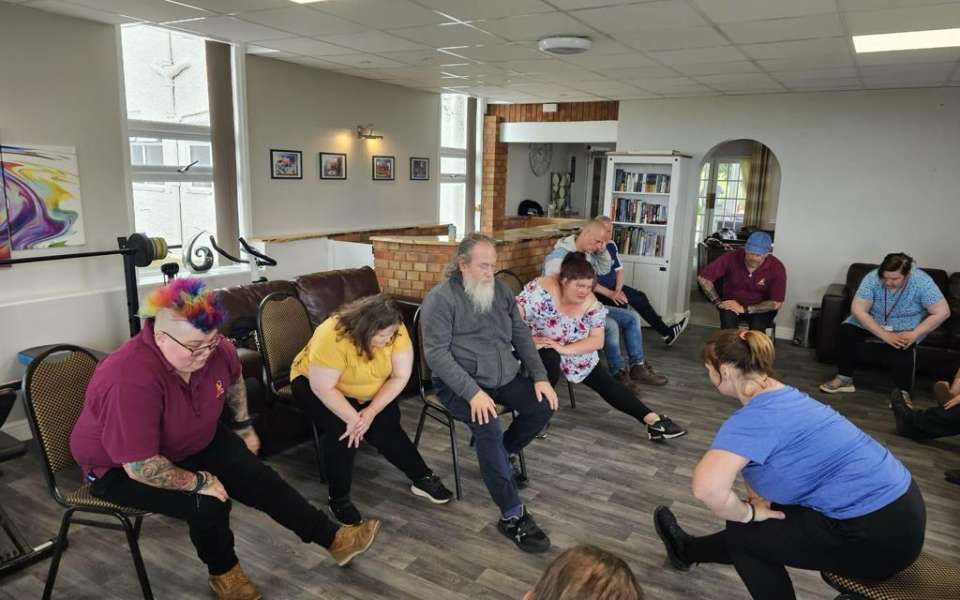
<point>759,242</point>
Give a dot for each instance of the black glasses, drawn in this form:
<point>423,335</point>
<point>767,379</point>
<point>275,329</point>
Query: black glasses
<point>200,350</point>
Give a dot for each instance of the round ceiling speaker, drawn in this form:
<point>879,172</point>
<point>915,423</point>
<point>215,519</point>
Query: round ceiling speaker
<point>565,44</point>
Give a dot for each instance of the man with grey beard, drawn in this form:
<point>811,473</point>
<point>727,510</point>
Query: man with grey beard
<point>471,328</point>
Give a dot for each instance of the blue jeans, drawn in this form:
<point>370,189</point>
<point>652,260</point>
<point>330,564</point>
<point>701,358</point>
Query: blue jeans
<point>493,445</point>
<point>628,321</point>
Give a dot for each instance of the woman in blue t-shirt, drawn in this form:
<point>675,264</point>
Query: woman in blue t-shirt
<point>821,493</point>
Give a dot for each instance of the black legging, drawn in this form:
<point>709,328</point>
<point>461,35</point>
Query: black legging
<point>874,546</point>
<point>386,434</point>
<point>611,390</point>
<point>904,362</point>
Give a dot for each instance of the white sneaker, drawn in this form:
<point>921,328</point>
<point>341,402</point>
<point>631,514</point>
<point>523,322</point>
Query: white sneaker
<point>838,386</point>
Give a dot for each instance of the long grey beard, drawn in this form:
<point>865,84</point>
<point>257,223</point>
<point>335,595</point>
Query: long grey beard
<point>481,294</point>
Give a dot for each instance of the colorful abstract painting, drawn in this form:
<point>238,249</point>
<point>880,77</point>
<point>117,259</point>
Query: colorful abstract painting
<point>41,198</point>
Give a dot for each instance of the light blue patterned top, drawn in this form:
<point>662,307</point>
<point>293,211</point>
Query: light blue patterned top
<point>902,309</point>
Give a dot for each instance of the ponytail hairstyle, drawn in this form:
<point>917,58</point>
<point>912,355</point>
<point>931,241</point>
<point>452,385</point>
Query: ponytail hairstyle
<point>896,262</point>
<point>587,573</point>
<point>751,352</point>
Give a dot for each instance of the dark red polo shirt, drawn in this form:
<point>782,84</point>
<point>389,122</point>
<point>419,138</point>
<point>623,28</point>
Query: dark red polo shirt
<point>137,406</point>
<point>769,282</point>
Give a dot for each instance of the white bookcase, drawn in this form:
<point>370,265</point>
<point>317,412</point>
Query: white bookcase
<point>645,195</point>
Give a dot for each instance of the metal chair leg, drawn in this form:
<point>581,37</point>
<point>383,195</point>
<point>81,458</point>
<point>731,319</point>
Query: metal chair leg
<point>456,456</point>
<point>523,465</point>
<point>132,532</point>
<point>318,450</point>
<point>573,397</point>
<point>60,546</point>
<point>423,418</point>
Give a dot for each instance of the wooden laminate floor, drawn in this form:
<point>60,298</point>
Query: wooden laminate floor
<point>595,479</point>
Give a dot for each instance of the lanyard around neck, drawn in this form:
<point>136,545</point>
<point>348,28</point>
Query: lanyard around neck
<point>886,313</point>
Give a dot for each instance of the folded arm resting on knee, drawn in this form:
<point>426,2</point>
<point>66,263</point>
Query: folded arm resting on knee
<point>713,480</point>
<point>157,471</point>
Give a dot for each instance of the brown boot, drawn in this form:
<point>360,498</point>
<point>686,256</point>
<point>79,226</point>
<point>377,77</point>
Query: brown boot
<point>234,585</point>
<point>644,373</point>
<point>623,378</point>
<point>352,540</point>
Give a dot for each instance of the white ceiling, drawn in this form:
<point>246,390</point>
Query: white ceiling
<point>650,49</point>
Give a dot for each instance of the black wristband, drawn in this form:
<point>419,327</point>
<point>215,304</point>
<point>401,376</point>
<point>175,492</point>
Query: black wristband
<point>238,425</point>
<point>201,481</point>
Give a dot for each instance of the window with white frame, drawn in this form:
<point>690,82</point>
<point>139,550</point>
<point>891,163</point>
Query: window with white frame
<point>171,159</point>
<point>453,160</point>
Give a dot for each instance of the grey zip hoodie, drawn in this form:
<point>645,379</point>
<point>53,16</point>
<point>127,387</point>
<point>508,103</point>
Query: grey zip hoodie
<point>468,350</point>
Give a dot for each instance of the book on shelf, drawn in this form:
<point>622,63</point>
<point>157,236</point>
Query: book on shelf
<point>636,241</point>
<point>650,183</point>
<point>635,210</point>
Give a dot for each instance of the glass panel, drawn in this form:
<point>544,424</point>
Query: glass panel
<point>723,170</point>
<point>175,211</point>
<point>453,121</point>
<point>200,152</point>
<point>452,204</point>
<point>453,166</point>
<point>705,171</point>
<point>733,188</point>
<point>165,75</point>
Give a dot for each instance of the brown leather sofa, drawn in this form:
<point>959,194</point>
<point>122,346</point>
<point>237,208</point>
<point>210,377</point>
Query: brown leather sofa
<point>939,352</point>
<point>278,425</point>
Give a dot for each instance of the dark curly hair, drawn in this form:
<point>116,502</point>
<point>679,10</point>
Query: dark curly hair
<point>364,318</point>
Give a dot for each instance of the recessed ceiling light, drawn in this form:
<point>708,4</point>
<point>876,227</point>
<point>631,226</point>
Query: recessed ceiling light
<point>306,1</point>
<point>907,40</point>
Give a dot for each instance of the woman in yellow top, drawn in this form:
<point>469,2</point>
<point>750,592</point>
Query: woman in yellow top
<point>347,378</point>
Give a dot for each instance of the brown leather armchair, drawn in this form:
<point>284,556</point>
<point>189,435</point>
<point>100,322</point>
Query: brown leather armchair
<point>939,352</point>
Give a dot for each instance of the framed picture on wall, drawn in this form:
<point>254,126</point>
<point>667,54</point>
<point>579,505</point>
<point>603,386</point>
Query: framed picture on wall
<point>286,164</point>
<point>419,168</point>
<point>383,168</point>
<point>333,166</point>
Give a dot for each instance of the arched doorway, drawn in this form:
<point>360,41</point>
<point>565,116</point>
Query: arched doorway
<point>738,192</point>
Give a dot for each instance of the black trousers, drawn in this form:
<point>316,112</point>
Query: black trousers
<point>246,479</point>
<point>640,303</point>
<point>755,321</point>
<point>599,380</point>
<point>903,362</point>
<point>874,546</point>
<point>385,434</point>
<point>933,423</point>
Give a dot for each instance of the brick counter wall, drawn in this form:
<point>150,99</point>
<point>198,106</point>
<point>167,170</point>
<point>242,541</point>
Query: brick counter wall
<point>411,270</point>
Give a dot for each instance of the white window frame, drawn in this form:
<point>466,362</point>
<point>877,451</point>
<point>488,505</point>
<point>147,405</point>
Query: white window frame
<point>169,131</point>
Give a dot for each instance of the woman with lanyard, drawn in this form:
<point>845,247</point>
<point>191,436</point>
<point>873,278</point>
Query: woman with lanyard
<point>821,494</point>
<point>898,304</point>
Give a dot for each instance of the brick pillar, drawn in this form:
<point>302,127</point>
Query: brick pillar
<point>493,196</point>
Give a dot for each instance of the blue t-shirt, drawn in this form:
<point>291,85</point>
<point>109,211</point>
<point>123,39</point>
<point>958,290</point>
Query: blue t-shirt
<point>901,309</point>
<point>609,279</point>
<point>804,453</point>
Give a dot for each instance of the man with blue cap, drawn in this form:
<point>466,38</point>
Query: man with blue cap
<point>754,284</point>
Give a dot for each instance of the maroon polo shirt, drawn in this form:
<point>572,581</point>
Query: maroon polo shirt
<point>768,282</point>
<point>137,406</point>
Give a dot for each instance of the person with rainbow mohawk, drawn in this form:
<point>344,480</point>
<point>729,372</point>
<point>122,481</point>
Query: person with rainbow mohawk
<point>149,437</point>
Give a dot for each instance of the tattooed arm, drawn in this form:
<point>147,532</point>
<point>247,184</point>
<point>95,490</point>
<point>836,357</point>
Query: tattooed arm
<point>765,306</point>
<point>157,471</point>
<point>237,402</point>
<point>709,290</point>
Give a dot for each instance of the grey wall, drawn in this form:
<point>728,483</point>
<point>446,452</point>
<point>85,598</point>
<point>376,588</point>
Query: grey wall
<point>862,173</point>
<point>298,108</point>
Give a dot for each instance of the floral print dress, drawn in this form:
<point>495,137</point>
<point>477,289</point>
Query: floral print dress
<point>540,313</point>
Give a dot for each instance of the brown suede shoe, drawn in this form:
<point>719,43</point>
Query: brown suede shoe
<point>623,378</point>
<point>941,391</point>
<point>234,585</point>
<point>352,540</point>
<point>644,373</point>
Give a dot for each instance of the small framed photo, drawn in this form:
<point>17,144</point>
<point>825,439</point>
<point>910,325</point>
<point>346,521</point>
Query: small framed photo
<point>384,168</point>
<point>286,164</point>
<point>419,168</point>
<point>333,166</point>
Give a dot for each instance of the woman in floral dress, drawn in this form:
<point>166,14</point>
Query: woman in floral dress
<point>566,322</point>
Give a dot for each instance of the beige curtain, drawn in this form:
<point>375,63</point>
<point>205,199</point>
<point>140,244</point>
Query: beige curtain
<point>756,179</point>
